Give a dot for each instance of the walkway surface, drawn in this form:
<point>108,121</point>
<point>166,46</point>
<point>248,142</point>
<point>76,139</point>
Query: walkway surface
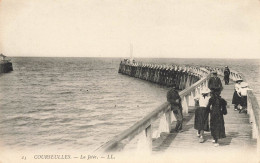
<point>238,131</point>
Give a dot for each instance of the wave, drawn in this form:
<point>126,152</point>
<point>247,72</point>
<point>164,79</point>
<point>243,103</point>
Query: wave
<point>67,92</point>
<point>41,110</point>
<point>65,120</point>
<point>85,126</point>
<point>18,118</point>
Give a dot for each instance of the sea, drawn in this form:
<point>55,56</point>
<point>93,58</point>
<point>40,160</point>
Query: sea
<point>81,103</point>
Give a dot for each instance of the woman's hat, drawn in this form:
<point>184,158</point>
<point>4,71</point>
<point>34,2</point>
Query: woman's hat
<point>205,91</point>
<point>244,84</point>
<point>239,80</point>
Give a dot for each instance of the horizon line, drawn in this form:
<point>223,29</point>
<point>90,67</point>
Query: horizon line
<point>124,57</point>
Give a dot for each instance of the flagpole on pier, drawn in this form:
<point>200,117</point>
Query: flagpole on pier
<point>131,53</point>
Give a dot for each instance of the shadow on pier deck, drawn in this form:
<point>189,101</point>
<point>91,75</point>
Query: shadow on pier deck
<point>238,132</point>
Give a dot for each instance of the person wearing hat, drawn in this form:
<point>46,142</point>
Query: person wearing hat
<point>226,75</point>
<point>174,99</point>
<point>215,84</point>
<point>236,100</point>
<point>243,93</point>
<point>217,107</point>
<point>201,121</point>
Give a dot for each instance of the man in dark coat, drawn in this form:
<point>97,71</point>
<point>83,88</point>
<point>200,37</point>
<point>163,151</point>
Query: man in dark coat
<point>174,99</point>
<point>215,84</point>
<point>226,75</point>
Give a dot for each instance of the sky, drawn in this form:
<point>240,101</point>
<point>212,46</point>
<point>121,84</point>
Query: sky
<point>156,28</point>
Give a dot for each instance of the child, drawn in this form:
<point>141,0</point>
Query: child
<point>201,122</point>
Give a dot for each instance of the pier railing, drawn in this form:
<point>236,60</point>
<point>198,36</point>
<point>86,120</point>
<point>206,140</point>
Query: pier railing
<point>252,107</point>
<point>254,113</point>
<point>144,128</point>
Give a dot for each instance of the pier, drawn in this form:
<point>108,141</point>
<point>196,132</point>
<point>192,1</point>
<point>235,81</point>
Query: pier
<point>154,130</point>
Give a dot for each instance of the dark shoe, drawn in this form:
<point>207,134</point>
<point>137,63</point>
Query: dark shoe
<point>173,131</point>
<point>235,108</point>
<point>180,130</point>
<point>243,111</point>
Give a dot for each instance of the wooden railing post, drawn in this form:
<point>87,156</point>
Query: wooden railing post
<point>191,99</point>
<point>254,117</point>
<point>185,104</point>
<point>165,122</point>
<point>196,91</point>
<point>144,143</point>
<point>148,134</point>
<point>168,120</point>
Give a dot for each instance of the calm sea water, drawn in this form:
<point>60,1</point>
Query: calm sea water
<point>80,103</point>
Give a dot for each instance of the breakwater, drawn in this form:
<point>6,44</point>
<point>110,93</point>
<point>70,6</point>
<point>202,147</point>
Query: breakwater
<point>5,66</point>
<point>166,75</point>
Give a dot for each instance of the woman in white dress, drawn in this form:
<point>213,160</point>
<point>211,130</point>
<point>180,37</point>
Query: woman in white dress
<point>201,122</point>
<point>243,92</point>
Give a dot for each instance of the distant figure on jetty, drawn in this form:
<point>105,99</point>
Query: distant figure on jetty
<point>215,84</point>
<point>174,99</point>
<point>218,108</point>
<point>201,121</point>
<point>226,75</point>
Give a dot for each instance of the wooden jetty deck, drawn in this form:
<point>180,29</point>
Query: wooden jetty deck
<point>238,132</point>
<point>153,134</point>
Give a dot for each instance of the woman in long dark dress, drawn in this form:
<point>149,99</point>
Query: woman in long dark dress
<point>236,100</point>
<point>217,106</point>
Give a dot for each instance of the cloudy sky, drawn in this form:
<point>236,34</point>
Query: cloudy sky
<point>156,28</point>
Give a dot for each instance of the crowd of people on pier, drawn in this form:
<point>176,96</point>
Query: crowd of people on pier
<point>209,102</point>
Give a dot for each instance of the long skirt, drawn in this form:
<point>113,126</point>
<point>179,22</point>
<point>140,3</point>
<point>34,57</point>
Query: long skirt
<point>201,119</point>
<point>217,125</point>
<point>236,99</point>
<point>244,101</point>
